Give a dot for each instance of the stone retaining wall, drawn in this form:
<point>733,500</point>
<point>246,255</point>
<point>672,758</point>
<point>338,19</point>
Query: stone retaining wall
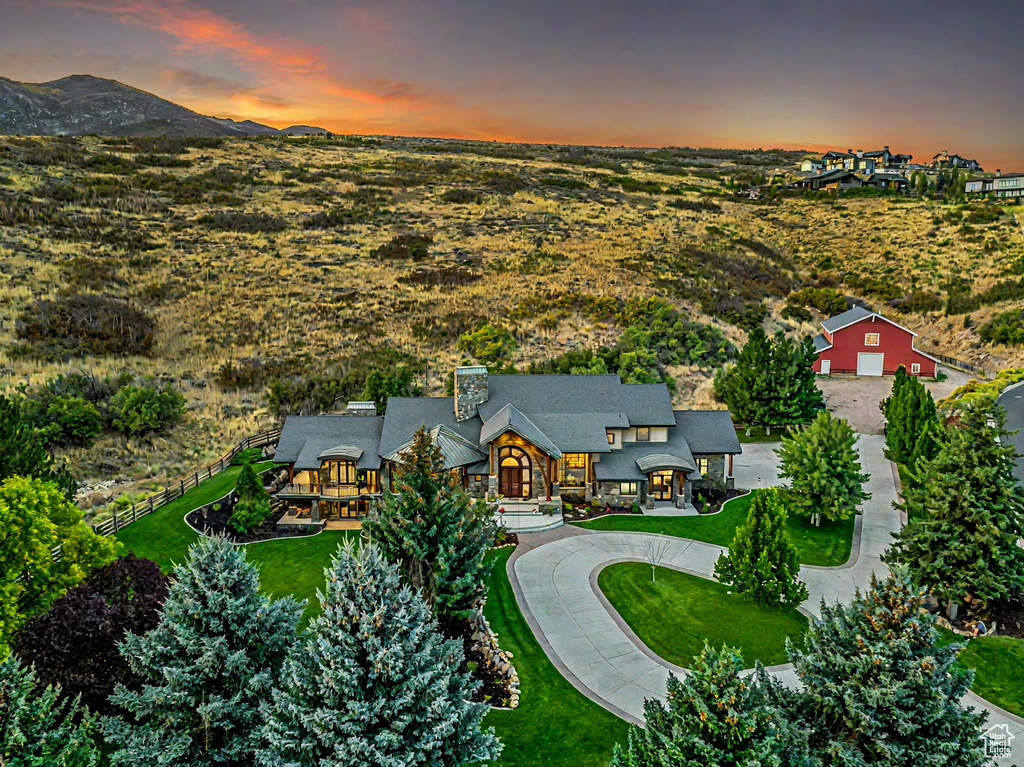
<point>485,641</point>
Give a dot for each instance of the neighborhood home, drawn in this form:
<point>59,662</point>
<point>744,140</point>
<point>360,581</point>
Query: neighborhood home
<point>525,442</point>
<point>864,342</point>
<point>811,165</point>
<point>865,162</point>
<point>1010,185</point>
<point>946,161</point>
<point>847,179</point>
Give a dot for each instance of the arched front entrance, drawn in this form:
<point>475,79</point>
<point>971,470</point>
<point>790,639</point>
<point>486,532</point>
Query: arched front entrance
<point>515,472</point>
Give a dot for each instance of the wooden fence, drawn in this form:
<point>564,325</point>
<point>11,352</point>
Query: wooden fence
<point>124,517</point>
<point>967,367</point>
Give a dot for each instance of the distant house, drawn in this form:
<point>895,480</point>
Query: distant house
<point>518,440</point>
<point>812,166</point>
<point>887,181</point>
<point>1000,185</point>
<point>946,161</point>
<point>865,162</point>
<point>865,343</point>
<point>837,178</point>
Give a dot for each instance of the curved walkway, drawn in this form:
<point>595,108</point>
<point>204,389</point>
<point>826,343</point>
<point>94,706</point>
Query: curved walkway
<point>554,578</point>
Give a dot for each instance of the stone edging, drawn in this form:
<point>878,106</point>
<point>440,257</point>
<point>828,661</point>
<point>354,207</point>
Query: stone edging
<point>485,641</point>
<point>542,640</point>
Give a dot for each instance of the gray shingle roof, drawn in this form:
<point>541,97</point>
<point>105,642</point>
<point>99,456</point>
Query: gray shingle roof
<point>833,324</point>
<point>304,437</point>
<point>510,418</point>
<point>706,431</point>
<point>407,414</point>
<point>821,343</point>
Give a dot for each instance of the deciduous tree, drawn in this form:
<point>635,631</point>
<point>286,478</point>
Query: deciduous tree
<point>374,684</point>
<point>207,666</point>
<point>22,452</point>
<point>35,518</point>
<point>74,643</point>
<point>762,561</point>
<point>823,467</point>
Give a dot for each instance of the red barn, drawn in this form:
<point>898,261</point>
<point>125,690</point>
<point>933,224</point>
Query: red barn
<point>866,343</point>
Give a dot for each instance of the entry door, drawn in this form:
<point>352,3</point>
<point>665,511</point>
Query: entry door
<point>511,482</point>
<point>870,364</point>
<point>661,485</point>
<point>826,367</point>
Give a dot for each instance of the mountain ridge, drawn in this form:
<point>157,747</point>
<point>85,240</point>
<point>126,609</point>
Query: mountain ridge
<point>81,104</point>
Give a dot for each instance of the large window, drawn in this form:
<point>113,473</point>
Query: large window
<point>643,433</point>
<point>627,488</point>
<point>340,472</point>
<point>574,469</point>
<point>702,466</point>
<point>369,481</point>
<point>515,475</point>
<point>871,339</point>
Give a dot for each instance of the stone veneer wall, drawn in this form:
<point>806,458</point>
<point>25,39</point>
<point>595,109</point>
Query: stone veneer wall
<point>486,642</point>
<point>476,487</point>
<point>470,391</point>
<point>716,469</point>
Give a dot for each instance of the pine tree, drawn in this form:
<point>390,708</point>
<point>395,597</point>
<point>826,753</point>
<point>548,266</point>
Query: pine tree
<point>810,396</point>
<point>877,690</point>
<point>23,454</point>
<point>783,403</point>
<point>966,511</point>
<point>374,683</point>
<point>713,717</point>
<point>207,665</point>
<point>762,561</point>
<point>823,467</point>
<point>745,387</point>
<point>252,501</point>
<point>911,421</point>
<point>37,726</point>
<point>433,530</point>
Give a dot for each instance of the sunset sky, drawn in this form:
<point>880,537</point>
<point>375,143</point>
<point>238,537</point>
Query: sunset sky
<point>918,75</point>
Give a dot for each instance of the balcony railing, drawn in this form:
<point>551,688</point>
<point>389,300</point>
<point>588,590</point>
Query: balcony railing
<point>327,491</point>
<point>299,489</point>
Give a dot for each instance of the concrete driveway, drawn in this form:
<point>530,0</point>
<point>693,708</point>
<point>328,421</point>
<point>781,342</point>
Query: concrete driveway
<point>757,466</point>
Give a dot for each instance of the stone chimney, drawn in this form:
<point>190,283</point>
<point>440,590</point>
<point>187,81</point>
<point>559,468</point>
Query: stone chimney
<point>361,408</point>
<point>999,172</point>
<point>885,148</point>
<point>470,391</point>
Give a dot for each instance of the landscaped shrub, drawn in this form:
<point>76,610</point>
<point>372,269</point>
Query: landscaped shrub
<point>85,323</point>
<point>71,421</point>
<point>252,502</point>
<point>141,409</point>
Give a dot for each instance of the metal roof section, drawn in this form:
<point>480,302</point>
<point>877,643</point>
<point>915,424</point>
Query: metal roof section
<point>455,450</point>
<point>663,461</point>
<point>340,453</point>
<point>510,418</point>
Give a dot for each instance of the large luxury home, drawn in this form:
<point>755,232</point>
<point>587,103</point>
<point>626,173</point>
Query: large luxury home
<point>526,439</point>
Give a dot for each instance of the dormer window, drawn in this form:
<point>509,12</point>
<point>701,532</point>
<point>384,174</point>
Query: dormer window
<point>643,433</point>
<point>611,438</point>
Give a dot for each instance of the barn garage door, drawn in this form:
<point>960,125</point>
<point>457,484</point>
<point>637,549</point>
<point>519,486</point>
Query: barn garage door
<point>870,364</point>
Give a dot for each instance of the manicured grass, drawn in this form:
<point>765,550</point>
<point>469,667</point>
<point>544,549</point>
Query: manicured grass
<point>757,434</point>
<point>555,724</point>
<point>827,545</point>
<point>676,614</point>
<point>296,565</point>
<point>998,664</point>
<point>163,535</point>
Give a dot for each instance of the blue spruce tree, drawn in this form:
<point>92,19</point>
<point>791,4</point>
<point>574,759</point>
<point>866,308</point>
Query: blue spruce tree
<point>208,665</point>
<point>374,684</point>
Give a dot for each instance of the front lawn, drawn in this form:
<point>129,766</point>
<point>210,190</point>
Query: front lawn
<point>555,724</point>
<point>998,664</point>
<point>163,535</point>
<point>757,434</point>
<point>828,545</point>
<point>677,613</point>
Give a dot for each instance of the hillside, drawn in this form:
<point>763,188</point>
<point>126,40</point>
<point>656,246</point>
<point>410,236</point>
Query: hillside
<point>281,272</point>
<point>83,104</point>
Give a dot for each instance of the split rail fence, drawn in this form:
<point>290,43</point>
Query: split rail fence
<point>124,517</point>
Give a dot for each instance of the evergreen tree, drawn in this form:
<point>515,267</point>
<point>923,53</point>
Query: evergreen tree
<point>823,467</point>
<point>966,511</point>
<point>35,517</point>
<point>877,690</point>
<point>433,530</point>
<point>207,666</point>
<point>252,501</point>
<point>783,403</point>
<point>713,717</point>
<point>37,727</point>
<point>762,560</point>
<point>811,399</point>
<point>911,421</point>
<point>74,643</point>
<point>745,387</point>
<point>374,683</point>
<point>22,452</point>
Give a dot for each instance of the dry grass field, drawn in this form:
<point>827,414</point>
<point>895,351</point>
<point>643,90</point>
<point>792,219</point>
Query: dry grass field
<point>272,250</point>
